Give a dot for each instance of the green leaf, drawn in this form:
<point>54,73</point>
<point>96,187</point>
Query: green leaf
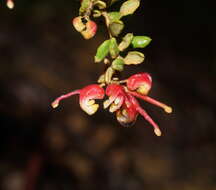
<point>116,27</point>
<point>125,41</point>
<point>96,13</point>
<point>84,6</point>
<point>108,74</point>
<point>100,4</point>
<point>141,41</point>
<point>118,64</point>
<point>129,7</point>
<point>134,58</point>
<point>113,48</point>
<point>114,16</point>
<point>101,79</point>
<point>102,51</point>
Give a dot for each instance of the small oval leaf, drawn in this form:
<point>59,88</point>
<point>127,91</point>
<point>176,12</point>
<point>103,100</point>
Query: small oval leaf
<point>113,48</point>
<point>108,74</point>
<point>125,42</point>
<point>100,4</point>
<point>114,16</point>
<point>129,7</point>
<point>116,27</point>
<point>102,51</point>
<point>118,64</point>
<point>84,6</point>
<point>141,41</point>
<point>134,58</point>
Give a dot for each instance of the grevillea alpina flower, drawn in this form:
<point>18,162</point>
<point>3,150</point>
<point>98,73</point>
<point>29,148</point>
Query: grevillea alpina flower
<point>116,96</point>
<point>87,97</point>
<point>139,86</point>
<point>140,82</point>
<point>126,107</point>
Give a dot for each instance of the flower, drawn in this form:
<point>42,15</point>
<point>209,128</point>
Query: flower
<point>139,86</point>
<point>87,98</point>
<point>116,95</point>
<point>126,107</point>
<point>141,82</point>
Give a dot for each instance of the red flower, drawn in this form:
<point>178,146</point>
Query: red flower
<point>140,82</point>
<point>87,98</point>
<point>121,99</point>
<point>139,85</point>
<point>116,95</point>
<point>126,107</point>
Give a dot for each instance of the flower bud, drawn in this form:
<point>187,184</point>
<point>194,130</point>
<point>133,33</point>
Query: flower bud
<point>141,82</point>
<point>90,31</point>
<point>78,24</point>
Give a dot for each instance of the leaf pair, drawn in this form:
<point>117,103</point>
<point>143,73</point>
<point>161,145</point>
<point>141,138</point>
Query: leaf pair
<point>108,46</point>
<point>135,41</point>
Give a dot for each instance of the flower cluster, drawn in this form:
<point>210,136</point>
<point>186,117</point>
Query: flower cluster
<point>122,94</point>
<point>121,99</point>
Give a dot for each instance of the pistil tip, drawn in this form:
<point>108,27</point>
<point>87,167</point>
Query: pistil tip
<point>157,132</point>
<point>55,104</point>
<point>168,109</point>
<point>10,4</point>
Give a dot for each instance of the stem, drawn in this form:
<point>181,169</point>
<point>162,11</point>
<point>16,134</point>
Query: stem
<point>107,21</point>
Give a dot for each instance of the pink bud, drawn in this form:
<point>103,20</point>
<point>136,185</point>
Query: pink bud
<point>90,31</point>
<point>140,82</point>
<point>78,24</point>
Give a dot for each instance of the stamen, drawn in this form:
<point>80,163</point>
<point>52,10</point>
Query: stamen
<point>166,108</point>
<point>55,103</point>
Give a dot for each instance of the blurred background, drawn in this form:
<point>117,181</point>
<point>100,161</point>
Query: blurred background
<point>42,56</point>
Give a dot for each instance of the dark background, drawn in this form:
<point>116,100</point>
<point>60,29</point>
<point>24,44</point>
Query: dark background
<point>42,56</point>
